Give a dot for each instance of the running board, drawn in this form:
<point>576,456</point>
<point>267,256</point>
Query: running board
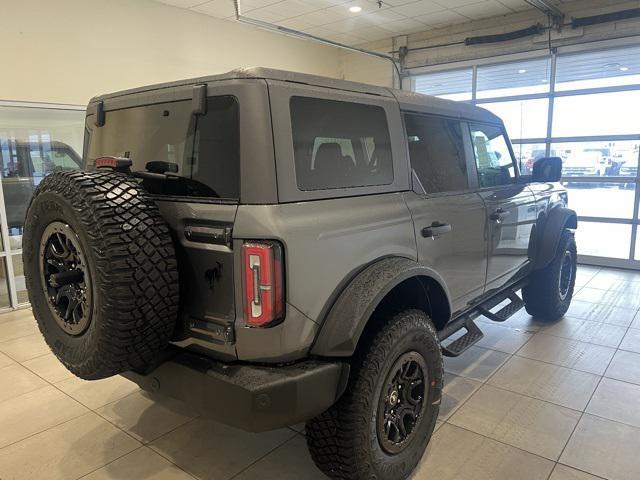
<point>462,344</point>
<point>505,312</point>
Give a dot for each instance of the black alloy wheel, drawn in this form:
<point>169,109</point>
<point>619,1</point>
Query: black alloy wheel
<point>65,278</point>
<point>402,403</point>
<point>566,274</point>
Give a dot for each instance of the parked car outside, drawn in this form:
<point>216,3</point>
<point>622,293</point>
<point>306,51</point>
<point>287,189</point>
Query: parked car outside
<point>24,164</point>
<point>527,165</point>
<point>629,167</point>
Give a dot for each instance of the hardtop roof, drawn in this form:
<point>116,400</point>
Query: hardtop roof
<point>408,100</point>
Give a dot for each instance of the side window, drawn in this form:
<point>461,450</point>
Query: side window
<point>339,144</point>
<point>436,150</point>
<point>47,157</point>
<point>493,157</point>
<point>12,157</point>
<point>346,148</point>
<point>63,160</point>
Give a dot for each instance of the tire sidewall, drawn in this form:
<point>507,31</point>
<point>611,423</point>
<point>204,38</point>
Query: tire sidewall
<point>542,294</point>
<point>46,208</point>
<point>423,341</point>
<point>567,244</point>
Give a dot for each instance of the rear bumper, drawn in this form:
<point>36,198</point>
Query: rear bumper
<point>250,397</point>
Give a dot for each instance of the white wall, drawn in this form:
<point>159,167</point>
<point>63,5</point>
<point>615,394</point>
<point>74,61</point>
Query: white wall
<point>66,51</point>
<point>368,69</point>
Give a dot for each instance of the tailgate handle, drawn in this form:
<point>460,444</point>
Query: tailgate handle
<point>214,235</point>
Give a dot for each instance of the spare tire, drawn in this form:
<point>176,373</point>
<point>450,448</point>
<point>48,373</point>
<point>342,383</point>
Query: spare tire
<point>101,272</point>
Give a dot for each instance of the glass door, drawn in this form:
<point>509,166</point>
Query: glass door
<point>35,140</point>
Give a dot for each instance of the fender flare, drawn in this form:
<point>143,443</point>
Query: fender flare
<point>556,221</point>
<point>350,313</point>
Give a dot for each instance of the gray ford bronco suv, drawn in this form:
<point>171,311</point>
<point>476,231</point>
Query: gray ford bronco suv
<point>272,248</point>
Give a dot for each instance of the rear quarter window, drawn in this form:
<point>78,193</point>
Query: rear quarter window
<point>340,144</point>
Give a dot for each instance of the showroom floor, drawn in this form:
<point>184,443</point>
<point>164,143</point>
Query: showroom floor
<point>530,402</point>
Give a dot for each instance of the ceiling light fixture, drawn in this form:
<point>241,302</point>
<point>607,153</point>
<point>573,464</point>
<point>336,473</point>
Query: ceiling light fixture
<point>624,69</point>
<point>355,9</point>
<point>522,70</point>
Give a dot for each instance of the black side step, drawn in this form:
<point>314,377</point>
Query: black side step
<point>505,312</point>
<point>462,344</point>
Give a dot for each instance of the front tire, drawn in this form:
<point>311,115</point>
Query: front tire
<point>381,426</point>
<point>550,290</point>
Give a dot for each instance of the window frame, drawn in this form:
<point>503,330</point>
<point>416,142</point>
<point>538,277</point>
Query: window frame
<point>190,143</point>
<point>8,250</point>
<point>356,144</point>
<point>514,162</point>
<point>281,92</point>
<point>258,183</point>
<point>548,140</point>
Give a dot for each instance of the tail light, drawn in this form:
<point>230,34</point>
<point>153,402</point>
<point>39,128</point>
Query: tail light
<point>263,281</point>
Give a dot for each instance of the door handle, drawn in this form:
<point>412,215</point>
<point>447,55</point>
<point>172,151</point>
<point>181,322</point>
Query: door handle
<point>499,215</point>
<point>435,230</point>
<point>213,235</point>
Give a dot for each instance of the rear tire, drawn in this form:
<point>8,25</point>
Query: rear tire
<point>101,272</point>
<point>550,290</point>
<point>361,436</point>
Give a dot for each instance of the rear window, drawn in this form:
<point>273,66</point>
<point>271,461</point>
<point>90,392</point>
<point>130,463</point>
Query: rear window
<point>200,154</point>
<point>340,144</point>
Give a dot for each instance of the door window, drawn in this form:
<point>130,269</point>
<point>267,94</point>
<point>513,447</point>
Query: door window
<point>493,157</point>
<point>52,157</point>
<point>436,150</point>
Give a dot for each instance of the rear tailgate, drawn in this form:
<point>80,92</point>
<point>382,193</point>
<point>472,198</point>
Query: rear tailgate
<point>205,258</point>
<point>190,160</point>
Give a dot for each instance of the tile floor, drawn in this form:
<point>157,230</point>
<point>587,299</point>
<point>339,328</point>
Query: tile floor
<point>531,401</point>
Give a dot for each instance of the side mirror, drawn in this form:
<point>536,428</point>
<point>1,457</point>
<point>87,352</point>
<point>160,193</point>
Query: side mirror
<point>548,169</point>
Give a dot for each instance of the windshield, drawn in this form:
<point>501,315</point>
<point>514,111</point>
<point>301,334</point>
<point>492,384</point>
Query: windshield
<point>199,153</point>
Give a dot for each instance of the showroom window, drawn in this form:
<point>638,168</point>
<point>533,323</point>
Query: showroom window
<point>35,140</point>
<point>452,85</point>
<point>602,68</point>
<point>514,78</point>
<point>580,106</point>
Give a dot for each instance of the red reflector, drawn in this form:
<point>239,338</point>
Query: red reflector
<point>116,163</point>
<point>111,162</point>
<point>263,281</point>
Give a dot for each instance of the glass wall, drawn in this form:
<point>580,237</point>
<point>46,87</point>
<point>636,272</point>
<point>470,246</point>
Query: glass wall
<point>581,107</point>
<point>35,140</point>
<point>454,85</point>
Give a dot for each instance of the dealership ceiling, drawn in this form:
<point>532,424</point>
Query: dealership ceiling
<point>358,22</point>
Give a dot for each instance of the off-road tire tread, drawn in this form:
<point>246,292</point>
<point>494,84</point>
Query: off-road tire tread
<point>335,437</point>
<point>541,296</point>
<point>135,265</point>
